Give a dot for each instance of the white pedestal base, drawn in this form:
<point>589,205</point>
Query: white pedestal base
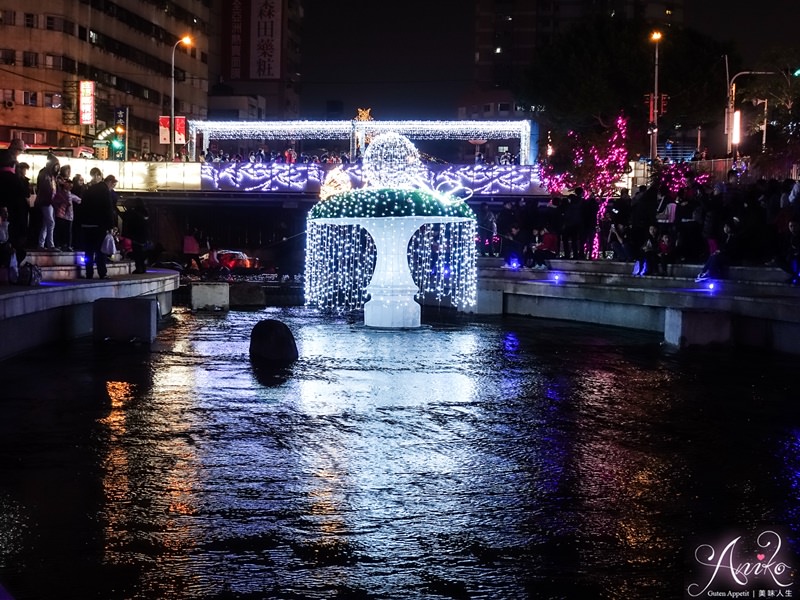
<point>396,311</point>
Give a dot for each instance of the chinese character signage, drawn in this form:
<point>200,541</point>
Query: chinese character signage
<point>265,40</point>
<point>121,117</point>
<point>86,102</point>
<point>236,39</point>
<point>252,32</point>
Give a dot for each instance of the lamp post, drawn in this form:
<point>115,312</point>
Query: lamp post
<point>764,124</point>
<point>184,40</point>
<point>731,100</point>
<point>655,37</point>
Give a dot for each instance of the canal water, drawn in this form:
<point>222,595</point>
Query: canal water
<point>494,458</point>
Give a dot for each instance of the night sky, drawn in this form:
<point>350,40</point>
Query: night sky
<point>413,59</point>
<point>408,59</point>
<point>753,27</point>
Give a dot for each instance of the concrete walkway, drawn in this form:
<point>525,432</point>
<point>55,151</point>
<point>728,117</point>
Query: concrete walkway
<point>753,306</point>
<point>62,308</point>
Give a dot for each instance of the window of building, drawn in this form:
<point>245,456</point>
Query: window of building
<point>504,107</point>
<point>30,20</point>
<point>488,109</point>
<point>30,98</point>
<point>53,23</point>
<point>32,138</point>
<point>54,62</point>
<point>8,95</point>
<point>8,56</point>
<point>30,59</point>
<point>8,17</point>
<point>53,100</point>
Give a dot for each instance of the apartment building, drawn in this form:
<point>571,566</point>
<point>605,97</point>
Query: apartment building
<point>91,72</point>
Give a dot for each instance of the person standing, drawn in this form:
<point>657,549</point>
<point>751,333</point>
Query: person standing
<point>14,192</point>
<point>191,248</point>
<point>571,233</point>
<point>789,257</point>
<point>45,192</point>
<point>97,212</point>
<point>134,227</point>
<point>487,230</point>
<point>64,203</point>
<point>17,147</point>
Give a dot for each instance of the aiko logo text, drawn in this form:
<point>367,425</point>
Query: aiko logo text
<point>729,566</point>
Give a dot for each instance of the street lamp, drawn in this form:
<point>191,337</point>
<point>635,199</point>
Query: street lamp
<point>184,40</point>
<point>731,100</point>
<point>764,125</point>
<point>655,37</point>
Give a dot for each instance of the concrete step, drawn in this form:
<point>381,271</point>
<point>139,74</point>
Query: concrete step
<point>66,266</point>
<point>760,282</point>
<point>762,273</point>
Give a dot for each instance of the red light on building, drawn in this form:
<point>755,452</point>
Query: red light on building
<point>86,102</point>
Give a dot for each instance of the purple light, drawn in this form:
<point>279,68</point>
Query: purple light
<point>308,178</point>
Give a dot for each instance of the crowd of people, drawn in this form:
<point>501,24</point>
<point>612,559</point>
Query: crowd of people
<point>59,211</point>
<point>713,226</point>
<point>288,156</point>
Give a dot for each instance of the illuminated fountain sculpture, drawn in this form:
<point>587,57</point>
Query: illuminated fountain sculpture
<point>386,246</point>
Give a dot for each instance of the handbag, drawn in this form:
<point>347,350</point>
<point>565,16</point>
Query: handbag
<point>109,245</point>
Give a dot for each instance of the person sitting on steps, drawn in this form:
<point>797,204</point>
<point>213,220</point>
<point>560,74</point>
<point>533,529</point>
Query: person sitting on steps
<point>545,251</point>
<point>728,253</point>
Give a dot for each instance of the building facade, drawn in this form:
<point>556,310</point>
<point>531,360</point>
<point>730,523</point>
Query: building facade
<point>258,74</point>
<point>99,73</point>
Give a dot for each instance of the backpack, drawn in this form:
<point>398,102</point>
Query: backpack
<point>29,274</point>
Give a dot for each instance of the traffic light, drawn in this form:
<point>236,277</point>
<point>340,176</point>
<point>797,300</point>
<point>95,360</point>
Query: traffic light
<point>118,143</point>
<point>663,107</point>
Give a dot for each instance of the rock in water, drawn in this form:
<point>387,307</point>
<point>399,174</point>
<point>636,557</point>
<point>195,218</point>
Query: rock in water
<point>271,341</point>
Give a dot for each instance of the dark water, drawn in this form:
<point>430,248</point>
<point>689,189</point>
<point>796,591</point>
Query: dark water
<point>493,458</point>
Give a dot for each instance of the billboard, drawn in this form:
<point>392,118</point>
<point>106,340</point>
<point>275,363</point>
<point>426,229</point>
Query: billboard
<point>86,102</point>
<point>180,130</point>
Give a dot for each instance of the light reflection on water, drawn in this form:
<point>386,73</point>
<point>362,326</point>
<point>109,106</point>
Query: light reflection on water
<point>485,458</point>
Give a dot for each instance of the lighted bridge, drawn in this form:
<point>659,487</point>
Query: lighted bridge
<point>484,180</point>
<point>304,179</point>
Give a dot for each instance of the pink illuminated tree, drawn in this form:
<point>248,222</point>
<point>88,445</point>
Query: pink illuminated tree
<point>595,165</point>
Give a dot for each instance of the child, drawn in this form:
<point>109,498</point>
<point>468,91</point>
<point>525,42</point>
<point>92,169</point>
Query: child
<point>666,253</point>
